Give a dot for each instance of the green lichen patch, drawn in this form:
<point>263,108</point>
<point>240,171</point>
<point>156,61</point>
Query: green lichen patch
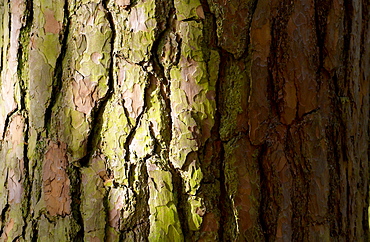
<point>59,232</point>
<point>12,179</point>
<point>164,221</point>
<point>115,129</point>
<point>191,34</point>
<point>136,31</point>
<point>142,144</point>
<point>168,50</point>
<point>162,228</point>
<point>193,109</point>
<point>159,118</point>
<point>74,133</point>
<point>39,88</point>
<point>121,207</point>
<point>44,50</point>
<point>48,47</point>
<point>234,104</point>
<point>132,81</point>
<point>233,22</point>
<point>92,202</point>
<point>188,9</point>
<point>195,213</point>
<point>84,79</point>
<point>192,176</point>
<point>242,180</point>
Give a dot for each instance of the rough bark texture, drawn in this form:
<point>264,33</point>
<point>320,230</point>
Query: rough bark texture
<point>172,120</point>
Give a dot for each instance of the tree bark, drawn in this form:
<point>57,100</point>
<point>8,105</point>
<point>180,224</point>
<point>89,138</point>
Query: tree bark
<point>200,120</point>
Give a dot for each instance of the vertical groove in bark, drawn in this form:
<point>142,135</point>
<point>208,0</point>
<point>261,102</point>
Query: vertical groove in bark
<point>322,9</point>
<point>78,234</point>
<point>56,84</point>
<point>23,73</point>
<point>14,174</point>
<point>365,65</point>
<point>98,110</point>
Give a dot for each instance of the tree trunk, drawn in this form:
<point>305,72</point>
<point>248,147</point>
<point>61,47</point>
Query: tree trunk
<point>171,120</point>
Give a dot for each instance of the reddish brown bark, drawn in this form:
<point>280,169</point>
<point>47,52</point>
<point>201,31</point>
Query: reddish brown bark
<point>209,120</point>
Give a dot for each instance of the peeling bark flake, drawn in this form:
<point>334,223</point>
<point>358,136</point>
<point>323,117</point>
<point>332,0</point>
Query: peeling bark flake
<point>56,183</point>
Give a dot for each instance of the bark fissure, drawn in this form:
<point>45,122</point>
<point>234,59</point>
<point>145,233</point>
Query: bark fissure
<point>268,224</point>
<point>213,187</point>
<point>321,17</point>
<point>3,217</point>
<point>140,219</point>
<point>22,71</point>
<point>58,71</point>
<point>77,223</point>
<point>225,201</point>
<point>6,123</point>
<point>34,230</point>
<point>133,130</point>
<point>28,179</point>
<point>161,73</point>
<point>334,171</point>
<point>12,112</point>
<point>99,108</point>
<point>252,9</point>
<point>277,59</point>
<point>105,202</point>
<point>298,234</point>
<point>347,65</point>
<point>223,198</point>
<point>365,66</point>
<point>180,198</point>
<point>1,58</point>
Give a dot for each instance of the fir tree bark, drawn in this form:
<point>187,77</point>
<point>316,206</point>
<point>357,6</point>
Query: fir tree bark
<point>170,120</point>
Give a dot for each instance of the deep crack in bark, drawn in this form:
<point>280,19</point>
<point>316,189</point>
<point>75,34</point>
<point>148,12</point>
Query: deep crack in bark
<point>99,108</point>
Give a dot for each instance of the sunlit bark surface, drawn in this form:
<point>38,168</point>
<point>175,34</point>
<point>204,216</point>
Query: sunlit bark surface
<point>172,120</point>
